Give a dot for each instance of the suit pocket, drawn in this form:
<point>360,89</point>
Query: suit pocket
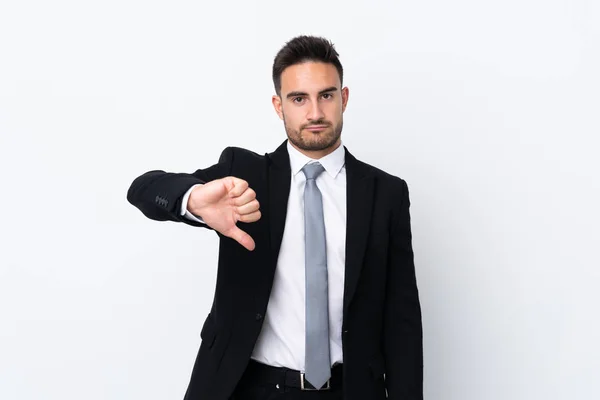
<point>209,331</point>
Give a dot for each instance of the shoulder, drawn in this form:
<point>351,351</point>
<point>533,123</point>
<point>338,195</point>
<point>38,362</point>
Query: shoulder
<point>241,155</point>
<point>392,192</point>
<point>390,182</point>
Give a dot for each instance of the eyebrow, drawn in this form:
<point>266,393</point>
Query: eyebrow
<point>296,94</point>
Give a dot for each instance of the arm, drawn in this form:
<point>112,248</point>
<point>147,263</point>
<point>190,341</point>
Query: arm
<point>159,194</point>
<point>403,333</point>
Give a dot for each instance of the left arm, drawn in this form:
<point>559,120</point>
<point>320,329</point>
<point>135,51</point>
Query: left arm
<point>402,332</point>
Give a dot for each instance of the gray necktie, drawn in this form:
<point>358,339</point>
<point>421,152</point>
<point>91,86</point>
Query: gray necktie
<point>318,365</point>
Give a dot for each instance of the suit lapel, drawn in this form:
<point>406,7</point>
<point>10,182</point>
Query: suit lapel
<point>279,179</point>
<point>359,203</point>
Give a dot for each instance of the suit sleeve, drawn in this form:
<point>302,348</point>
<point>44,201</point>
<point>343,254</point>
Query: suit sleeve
<point>159,194</point>
<point>403,332</point>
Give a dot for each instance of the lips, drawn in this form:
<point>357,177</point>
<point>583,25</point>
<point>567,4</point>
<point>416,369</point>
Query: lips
<point>316,127</point>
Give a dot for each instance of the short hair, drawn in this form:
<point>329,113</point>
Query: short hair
<point>302,49</point>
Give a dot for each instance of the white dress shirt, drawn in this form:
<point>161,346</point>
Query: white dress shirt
<point>281,341</point>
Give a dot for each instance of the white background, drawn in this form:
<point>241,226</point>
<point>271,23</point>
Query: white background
<point>489,110</point>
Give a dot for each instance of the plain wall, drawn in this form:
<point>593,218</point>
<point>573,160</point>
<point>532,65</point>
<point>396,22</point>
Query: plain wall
<point>489,110</point>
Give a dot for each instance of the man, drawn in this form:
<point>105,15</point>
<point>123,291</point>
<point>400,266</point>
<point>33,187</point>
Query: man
<point>316,296</point>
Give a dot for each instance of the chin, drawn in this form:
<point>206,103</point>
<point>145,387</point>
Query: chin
<point>320,145</point>
<point>309,141</point>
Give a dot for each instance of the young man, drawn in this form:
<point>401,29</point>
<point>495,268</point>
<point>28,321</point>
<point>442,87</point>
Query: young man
<point>316,296</point>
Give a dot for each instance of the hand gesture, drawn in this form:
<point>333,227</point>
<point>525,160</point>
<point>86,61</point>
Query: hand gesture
<point>222,203</point>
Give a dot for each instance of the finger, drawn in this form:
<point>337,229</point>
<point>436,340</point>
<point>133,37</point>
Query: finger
<point>252,217</point>
<point>248,207</point>
<point>239,187</point>
<point>242,238</point>
<point>246,197</point>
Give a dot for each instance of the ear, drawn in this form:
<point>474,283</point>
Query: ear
<point>276,100</point>
<point>345,95</point>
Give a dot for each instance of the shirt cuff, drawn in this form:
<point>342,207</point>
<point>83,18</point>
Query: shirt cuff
<point>184,211</point>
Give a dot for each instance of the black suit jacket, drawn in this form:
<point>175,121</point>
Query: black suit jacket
<point>381,329</point>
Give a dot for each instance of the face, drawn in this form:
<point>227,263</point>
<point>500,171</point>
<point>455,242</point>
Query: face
<point>311,106</point>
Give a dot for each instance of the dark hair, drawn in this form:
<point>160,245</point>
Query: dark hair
<point>301,49</point>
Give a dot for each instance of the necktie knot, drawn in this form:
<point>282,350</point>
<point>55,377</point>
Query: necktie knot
<point>313,170</point>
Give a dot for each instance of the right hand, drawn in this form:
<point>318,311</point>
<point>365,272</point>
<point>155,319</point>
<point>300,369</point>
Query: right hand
<point>222,203</point>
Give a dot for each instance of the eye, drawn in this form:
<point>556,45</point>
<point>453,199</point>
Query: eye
<point>297,100</point>
<point>329,96</point>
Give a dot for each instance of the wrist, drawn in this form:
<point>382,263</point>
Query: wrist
<point>197,202</point>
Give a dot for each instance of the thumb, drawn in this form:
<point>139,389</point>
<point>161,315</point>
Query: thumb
<point>242,238</point>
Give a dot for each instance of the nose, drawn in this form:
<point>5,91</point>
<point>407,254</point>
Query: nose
<point>315,113</point>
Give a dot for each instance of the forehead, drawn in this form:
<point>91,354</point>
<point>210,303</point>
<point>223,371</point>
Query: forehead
<point>309,77</point>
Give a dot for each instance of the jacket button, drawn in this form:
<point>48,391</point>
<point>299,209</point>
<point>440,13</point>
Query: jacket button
<point>258,317</point>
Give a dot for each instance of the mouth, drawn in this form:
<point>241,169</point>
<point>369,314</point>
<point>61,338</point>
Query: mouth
<point>316,128</point>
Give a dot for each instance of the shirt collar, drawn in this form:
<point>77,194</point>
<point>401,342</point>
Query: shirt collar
<point>332,162</point>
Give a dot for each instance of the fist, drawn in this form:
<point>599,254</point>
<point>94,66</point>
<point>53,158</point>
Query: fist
<point>222,203</point>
